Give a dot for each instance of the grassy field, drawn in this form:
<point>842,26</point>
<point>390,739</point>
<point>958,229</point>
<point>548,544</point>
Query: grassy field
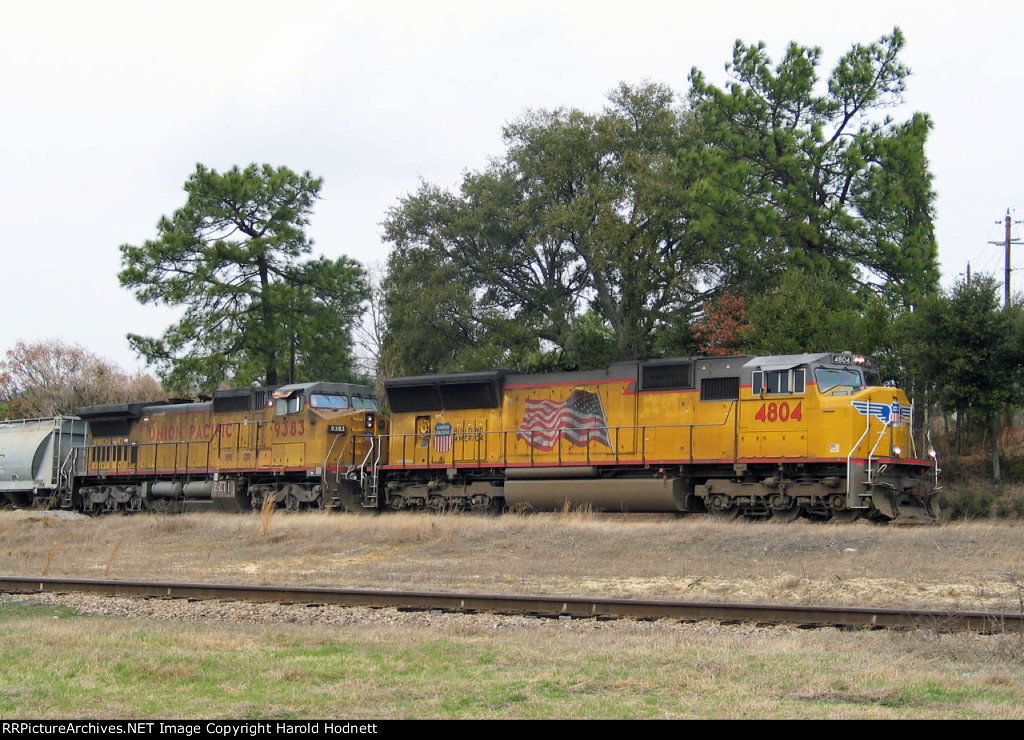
<point>59,663</point>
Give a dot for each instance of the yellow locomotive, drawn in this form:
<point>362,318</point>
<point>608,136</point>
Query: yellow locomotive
<point>306,445</point>
<point>774,436</point>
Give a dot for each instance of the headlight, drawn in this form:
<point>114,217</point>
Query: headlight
<point>897,451</point>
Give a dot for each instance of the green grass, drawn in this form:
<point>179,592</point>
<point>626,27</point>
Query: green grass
<point>59,665</point>
<point>16,611</point>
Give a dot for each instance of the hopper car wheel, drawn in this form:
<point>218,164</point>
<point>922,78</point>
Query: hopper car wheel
<point>788,514</point>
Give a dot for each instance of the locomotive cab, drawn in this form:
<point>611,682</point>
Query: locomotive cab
<point>348,413</point>
<point>330,429</point>
<point>852,436</point>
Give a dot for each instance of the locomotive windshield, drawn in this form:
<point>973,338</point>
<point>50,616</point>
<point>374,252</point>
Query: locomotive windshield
<point>831,378</point>
<point>337,402</point>
<point>328,401</point>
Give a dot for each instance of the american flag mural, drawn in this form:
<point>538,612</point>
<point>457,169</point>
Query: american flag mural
<point>580,420</point>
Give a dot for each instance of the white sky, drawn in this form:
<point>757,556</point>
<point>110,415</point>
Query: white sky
<point>108,105</point>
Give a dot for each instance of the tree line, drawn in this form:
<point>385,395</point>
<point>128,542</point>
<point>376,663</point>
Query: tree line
<point>623,234</point>
<point>782,212</point>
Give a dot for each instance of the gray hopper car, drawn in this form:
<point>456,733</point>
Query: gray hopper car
<point>38,458</point>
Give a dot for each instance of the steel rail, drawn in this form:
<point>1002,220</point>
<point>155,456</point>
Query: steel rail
<point>544,606</point>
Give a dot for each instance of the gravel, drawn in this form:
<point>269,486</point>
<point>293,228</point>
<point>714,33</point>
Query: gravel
<point>183,610</point>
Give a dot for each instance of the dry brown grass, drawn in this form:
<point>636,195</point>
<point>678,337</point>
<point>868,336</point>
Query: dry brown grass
<point>974,565</point>
<point>113,555</point>
<point>49,558</point>
<point>266,512</point>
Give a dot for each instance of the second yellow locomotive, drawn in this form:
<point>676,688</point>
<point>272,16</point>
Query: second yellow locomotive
<point>306,445</point>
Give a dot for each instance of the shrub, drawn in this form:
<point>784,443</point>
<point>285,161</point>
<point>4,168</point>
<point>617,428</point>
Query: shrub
<point>968,501</point>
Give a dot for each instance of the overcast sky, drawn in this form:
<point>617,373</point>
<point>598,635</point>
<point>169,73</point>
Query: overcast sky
<point>108,106</point>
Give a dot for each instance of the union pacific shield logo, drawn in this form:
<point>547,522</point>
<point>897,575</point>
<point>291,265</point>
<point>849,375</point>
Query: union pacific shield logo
<point>894,414</point>
<point>443,437</point>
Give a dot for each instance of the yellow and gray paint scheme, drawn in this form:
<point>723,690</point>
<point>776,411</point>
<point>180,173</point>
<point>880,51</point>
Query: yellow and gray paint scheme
<point>785,435</point>
<point>306,445</point>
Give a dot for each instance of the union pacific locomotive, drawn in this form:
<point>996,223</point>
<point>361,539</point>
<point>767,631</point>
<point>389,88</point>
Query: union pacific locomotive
<point>758,437</point>
<point>777,436</point>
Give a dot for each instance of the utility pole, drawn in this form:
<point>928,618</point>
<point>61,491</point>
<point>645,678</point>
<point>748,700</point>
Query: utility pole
<point>1008,241</point>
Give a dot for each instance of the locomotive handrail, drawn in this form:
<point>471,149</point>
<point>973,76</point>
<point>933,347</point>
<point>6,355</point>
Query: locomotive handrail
<point>362,464</point>
<point>370,491</point>
<point>155,446</point>
<point>327,457</point>
<point>588,430</point>
<point>881,434</point>
<point>220,449</point>
<point>448,457</point>
<point>849,458</point>
<point>913,442</point>
<point>350,445</point>
<point>886,425</point>
<point>933,455</point>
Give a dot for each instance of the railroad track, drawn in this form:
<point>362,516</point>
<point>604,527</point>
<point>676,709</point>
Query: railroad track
<point>541,606</point>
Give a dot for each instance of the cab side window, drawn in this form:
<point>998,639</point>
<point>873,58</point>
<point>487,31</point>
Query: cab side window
<point>776,382</point>
<point>291,405</point>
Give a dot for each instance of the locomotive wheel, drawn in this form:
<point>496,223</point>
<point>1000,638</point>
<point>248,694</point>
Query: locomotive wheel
<point>789,514</point>
<point>291,502</point>
<point>726,513</point>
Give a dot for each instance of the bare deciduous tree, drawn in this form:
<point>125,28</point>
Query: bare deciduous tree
<point>50,378</point>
